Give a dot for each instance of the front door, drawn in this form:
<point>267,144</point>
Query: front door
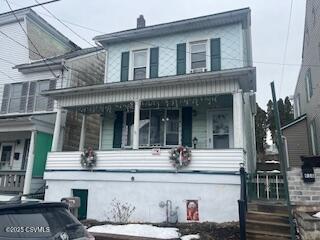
<point>219,129</point>
<point>83,195</point>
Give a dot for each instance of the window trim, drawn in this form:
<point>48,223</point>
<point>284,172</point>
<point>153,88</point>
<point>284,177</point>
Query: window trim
<point>131,62</point>
<point>189,53</point>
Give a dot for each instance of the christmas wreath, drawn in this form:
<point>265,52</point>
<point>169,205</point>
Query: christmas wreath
<point>180,157</point>
<point>88,158</point>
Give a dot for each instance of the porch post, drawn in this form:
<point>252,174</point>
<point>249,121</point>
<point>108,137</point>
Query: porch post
<point>28,176</point>
<point>57,130</point>
<point>136,123</point>
<point>100,131</point>
<point>238,119</point>
<point>83,133</point>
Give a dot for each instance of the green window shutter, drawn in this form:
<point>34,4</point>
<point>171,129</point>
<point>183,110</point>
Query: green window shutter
<point>117,132</point>
<point>187,126</point>
<point>154,62</point>
<point>215,53</point>
<point>5,98</point>
<point>43,143</point>
<point>181,58</point>
<point>124,66</point>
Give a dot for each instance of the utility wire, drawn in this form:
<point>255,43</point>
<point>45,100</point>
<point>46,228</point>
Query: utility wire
<point>7,75</point>
<point>286,46</point>
<point>78,35</point>
<point>11,11</point>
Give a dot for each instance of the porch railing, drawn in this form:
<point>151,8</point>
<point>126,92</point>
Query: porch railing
<point>266,186</point>
<point>12,181</point>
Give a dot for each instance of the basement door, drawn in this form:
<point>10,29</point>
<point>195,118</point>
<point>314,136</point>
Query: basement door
<point>83,195</point>
<point>219,129</point>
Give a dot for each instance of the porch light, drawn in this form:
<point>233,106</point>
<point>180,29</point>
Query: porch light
<point>195,142</point>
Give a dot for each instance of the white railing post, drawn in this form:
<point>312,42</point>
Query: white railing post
<point>57,129</point>
<point>136,123</point>
<point>267,186</point>
<point>101,132</point>
<point>83,133</point>
<point>258,188</point>
<point>28,176</point>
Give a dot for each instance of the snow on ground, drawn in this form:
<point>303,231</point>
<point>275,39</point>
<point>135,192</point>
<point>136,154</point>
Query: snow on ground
<point>4,198</point>
<point>190,237</point>
<point>317,215</point>
<point>138,230</point>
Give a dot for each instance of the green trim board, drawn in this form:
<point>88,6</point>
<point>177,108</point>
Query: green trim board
<point>43,144</point>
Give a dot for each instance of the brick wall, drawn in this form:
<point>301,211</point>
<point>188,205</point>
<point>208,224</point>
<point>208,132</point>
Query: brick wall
<point>303,193</point>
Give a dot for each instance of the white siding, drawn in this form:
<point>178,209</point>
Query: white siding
<point>227,160</point>
<point>232,49</point>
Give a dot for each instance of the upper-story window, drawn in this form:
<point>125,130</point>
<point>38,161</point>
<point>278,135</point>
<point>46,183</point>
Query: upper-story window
<point>15,100</point>
<point>198,55</point>
<point>309,88</point>
<point>26,97</point>
<point>139,64</point>
<point>313,136</point>
<point>297,106</point>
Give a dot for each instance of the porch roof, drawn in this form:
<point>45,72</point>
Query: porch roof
<point>188,85</point>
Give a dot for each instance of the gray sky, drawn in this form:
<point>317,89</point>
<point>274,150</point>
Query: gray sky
<point>269,18</point>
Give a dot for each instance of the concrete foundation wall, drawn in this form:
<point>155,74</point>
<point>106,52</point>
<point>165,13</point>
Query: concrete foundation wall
<point>217,194</point>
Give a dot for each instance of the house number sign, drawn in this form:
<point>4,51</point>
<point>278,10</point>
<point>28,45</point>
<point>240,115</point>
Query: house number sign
<point>308,173</point>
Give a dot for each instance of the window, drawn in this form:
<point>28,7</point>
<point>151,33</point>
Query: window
<point>309,89</point>
<point>313,136</point>
<point>221,122</point>
<point>15,98</point>
<point>297,107</point>
<point>139,64</point>
<point>41,101</point>
<point>26,97</point>
<point>6,153</point>
<point>158,127</point>
<point>198,55</point>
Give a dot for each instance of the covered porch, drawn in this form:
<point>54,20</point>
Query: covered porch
<point>144,119</point>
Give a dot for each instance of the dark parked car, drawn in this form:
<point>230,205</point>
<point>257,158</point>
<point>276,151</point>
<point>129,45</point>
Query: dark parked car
<point>39,220</point>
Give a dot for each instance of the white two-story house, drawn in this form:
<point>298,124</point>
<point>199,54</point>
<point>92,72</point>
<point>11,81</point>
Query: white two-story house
<point>187,83</point>
<point>35,57</point>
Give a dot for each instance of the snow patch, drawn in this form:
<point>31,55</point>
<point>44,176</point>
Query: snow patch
<point>190,237</point>
<point>317,215</point>
<point>138,230</point>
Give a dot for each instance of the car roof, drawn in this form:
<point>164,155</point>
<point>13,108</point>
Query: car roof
<point>17,205</point>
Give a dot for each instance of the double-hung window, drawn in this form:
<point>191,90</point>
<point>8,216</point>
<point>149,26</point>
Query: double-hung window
<point>309,88</point>
<point>15,97</point>
<point>313,136</point>
<point>139,64</point>
<point>198,55</point>
<point>41,102</point>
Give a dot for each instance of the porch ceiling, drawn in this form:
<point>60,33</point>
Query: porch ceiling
<point>190,85</point>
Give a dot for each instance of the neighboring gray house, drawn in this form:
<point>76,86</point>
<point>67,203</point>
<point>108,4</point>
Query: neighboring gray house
<point>306,134</point>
